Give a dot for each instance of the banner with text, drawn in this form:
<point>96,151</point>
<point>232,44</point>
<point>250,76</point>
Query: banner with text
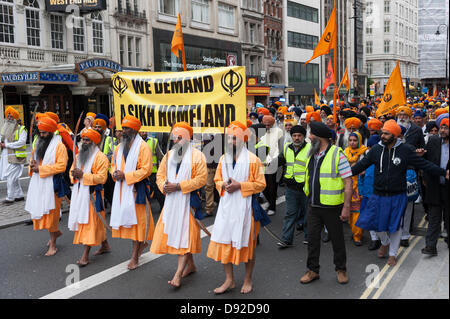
<point>208,99</point>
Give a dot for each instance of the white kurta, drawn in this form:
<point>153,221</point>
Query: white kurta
<point>13,172</point>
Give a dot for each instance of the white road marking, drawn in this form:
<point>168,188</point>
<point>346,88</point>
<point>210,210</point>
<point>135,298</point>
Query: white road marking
<point>111,273</point>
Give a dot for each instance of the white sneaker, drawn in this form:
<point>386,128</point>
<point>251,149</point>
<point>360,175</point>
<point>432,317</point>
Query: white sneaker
<point>271,212</point>
<point>265,205</point>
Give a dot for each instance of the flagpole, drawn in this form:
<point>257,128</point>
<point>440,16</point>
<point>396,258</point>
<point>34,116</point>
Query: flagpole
<point>335,69</point>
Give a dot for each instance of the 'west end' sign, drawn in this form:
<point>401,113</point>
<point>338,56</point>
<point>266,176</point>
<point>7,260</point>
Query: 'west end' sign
<point>67,5</point>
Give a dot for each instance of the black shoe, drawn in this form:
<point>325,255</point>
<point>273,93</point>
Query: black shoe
<point>283,245</point>
<point>429,251</point>
<point>374,244</point>
<point>29,223</point>
<point>404,242</point>
<point>299,227</point>
<point>326,238</point>
<point>8,202</point>
<point>356,242</point>
<point>19,199</point>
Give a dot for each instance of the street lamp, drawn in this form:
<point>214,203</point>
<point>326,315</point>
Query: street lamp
<point>446,50</point>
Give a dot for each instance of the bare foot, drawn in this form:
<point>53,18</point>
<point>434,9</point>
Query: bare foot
<point>392,261</point>
<point>176,281</point>
<point>227,286</point>
<point>51,251</point>
<point>133,264</point>
<point>103,250</point>
<point>382,251</point>
<point>82,262</point>
<point>246,287</point>
<point>189,269</point>
<point>142,246</point>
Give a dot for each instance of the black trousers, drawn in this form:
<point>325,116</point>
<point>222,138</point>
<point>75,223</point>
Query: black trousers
<point>435,215</point>
<point>270,192</point>
<point>316,219</point>
<point>156,192</point>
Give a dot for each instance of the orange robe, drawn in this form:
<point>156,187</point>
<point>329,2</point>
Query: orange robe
<point>199,174</point>
<point>51,220</point>
<point>93,233</point>
<point>143,170</point>
<point>256,183</point>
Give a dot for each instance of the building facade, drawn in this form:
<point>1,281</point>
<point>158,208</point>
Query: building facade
<point>391,35</point>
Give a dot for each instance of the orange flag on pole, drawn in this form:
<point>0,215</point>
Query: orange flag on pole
<point>178,43</point>
<point>329,78</point>
<point>345,81</point>
<point>328,40</point>
<point>394,94</point>
<point>434,93</point>
<point>316,98</point>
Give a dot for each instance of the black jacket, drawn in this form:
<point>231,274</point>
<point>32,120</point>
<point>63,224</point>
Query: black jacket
<point>391,166</point>
<point>433,154</point>
<point>414,137</point>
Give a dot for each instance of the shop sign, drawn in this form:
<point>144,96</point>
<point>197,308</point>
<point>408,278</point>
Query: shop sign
<point>38,78</point>
<point>93,64</point>
<point>67,5</point>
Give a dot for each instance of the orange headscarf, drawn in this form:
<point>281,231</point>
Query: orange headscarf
<point>183,129</point>
<point>92,134</point>
<point>392,127</point>
<point>12,111</point>
<point>405,109</point>
<point>352,122</point>
<point>239,130</point>
<point>314,115</point>
<point>46,124</point>
<point>53,116</point>
<point>374,124</point>
<point>131,122</point>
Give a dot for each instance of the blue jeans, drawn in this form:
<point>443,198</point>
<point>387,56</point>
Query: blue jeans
<point>296,207</point>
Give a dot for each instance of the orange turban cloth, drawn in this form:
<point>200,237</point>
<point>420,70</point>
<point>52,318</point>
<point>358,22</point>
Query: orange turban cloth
<point>269,118</point>
<point>314,115</point>
<point>46,124</point>
<point>392,127</point>
<point>278,103</point>
<point>131,122</point>
<point>263,111</point>
<point>93,135</point>
<point>309,109</point>
<point>183,129</point>
<point>112,122</point>
<point>239,130</point>
<point>249,123</point>
<point>444,122</point>
<point>100,122</point>
<point>352,122</point>
<point>11,111</point>
<point>53,116</point>
<point>375,124</point>
<point>38,116</point>
<point>440,111</point>
<point>283,109</point>
<point>405,109</point>
<point>91,114</point>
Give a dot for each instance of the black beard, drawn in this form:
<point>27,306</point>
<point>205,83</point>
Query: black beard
<point>388,141</point>
<point>85,153</point>
<point>41,146</point>
<point>315,147</point>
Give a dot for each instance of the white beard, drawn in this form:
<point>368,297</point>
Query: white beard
<point>8,129</point>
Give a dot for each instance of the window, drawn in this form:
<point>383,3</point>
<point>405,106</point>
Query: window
<point>170,7</point>
<point>302,41</point>
<point>252,5</point>
<point>387,26</point>
<point>200,11</point>
<point>226,16</point>
<point>122,49</point>
<point>130,51</point>
<point>387,6</point>
<point>303,12</point>
<point>6,21</point>
<point>252,33</point>
<point>369,28</point>
<point>253,65</point>
<point>369,8</point>
<point>387,68</point>
<point>369,47</point>
<point>97,32</point>
<point>33,23</point>
<point>387,46</point>
<point>138,52</point>
<point>78,34</point>
<point>57,31</point>
<point>369,68</point>
<point>299,72</point>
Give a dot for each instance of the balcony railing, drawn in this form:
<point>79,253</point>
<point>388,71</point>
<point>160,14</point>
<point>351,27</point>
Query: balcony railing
<point>128,12</point>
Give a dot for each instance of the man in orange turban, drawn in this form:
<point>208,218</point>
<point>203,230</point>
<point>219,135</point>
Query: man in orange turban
<point>263,111</point>
<point>440,111</point>
<point>87,221</point>
<point>47,165</point>
<point>374,126</point>
<point>53,116</point>
<point>352,124</point>
<point>182,171</point>
<point>314,116</point>
<point>14,155</point>
<point>233,240</point>
<point>131,166</point>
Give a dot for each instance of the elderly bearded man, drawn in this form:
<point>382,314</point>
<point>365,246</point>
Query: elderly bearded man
<point>90,173</point>
<point>239,175</point>
<point>182,171</point>
<point>14,155</point>
<point>48,163</point>
<point>131,166</point>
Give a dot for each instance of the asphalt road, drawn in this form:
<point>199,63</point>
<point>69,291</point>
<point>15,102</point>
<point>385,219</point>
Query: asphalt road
<point>28,274</point>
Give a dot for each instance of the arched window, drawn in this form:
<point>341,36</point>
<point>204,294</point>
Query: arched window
<point>6,21</point>
<point>33,22</point>
<point>97,32</point>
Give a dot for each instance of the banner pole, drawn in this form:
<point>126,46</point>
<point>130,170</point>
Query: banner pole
<point>335,68</point>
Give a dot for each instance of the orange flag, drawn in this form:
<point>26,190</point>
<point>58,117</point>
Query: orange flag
<point>345,81</point>
<point>394,94</point>
<point>434,93</point>
<point>328,40</point>
<point>329,78</point>
<point>316,98</point>
<point>178,43</point>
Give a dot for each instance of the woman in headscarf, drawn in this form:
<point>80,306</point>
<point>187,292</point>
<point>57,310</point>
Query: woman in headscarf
<point>354,153</point>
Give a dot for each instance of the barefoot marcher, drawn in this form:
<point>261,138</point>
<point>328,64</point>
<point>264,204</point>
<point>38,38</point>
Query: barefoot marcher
<point>47,165</point>
<point>239,175</point>
<point>88,178</point>
<point>182,171</point>
<point>131,166</point>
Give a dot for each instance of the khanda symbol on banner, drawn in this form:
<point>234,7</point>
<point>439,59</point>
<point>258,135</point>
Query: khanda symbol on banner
<point>119,85</point>
<point>387,97</point>
<point>327,37</point>
<point>231,82</point>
